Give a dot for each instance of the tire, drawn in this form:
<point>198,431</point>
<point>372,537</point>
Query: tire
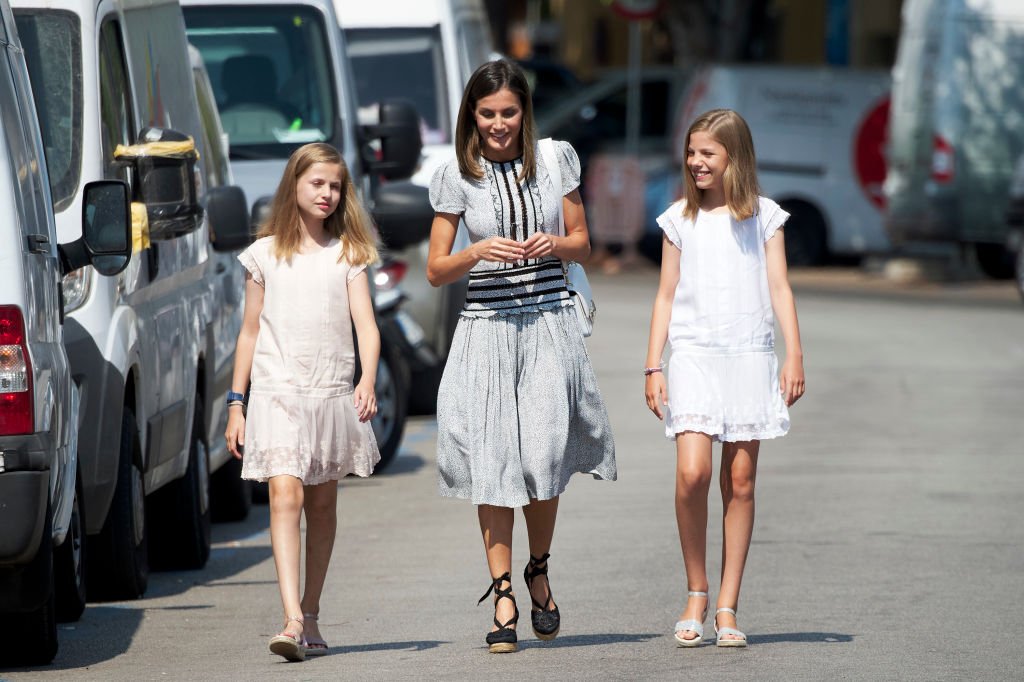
<point>118,566</point>
<point>181,509</point>
<point>995,260</point>
<point>230,495</point>
<point>423,394</point>
<point>34,631</point>
<point>392,404</point>
<point>69,563</point>
<point>806,236</point>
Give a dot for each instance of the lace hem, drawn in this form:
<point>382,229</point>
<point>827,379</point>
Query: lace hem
<point>534,308</point>
<point>289,462</point>
<point>720,430</point>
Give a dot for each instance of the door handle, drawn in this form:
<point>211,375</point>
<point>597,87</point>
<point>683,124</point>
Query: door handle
<point>38,243</point>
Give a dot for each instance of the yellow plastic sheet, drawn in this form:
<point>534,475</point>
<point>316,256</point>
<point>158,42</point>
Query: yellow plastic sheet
<point>140,227</point>
<point>164,149</point>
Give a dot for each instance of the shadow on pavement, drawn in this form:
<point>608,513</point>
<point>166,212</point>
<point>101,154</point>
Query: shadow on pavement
<point>422,645</point>
<point>104,632</point>
<point>224,562</point>
<point>404,463</point>
<point>589,640</point>
<point>801,637</point>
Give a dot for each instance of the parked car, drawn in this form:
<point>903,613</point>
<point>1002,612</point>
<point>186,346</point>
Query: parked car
<point>228,210</point>
<point>1015,224</point>
<point>42,577</point>
<point>424,52</point>
<point>954,136</point>
<point>109,79</point>
<point>819,133</point>
<point>281,78</point>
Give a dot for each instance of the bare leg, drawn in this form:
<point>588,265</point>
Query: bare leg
<point>286,496</point>
<point>540,526</point>
<point>693,480</point>
<point>496,528</point>
<point>321,506</point>
<point>739,471</point>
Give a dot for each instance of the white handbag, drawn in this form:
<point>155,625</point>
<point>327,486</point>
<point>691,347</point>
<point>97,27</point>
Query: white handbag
<point>575,276</point>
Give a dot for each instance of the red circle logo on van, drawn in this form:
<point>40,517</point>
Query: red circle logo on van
<point>869,151</point>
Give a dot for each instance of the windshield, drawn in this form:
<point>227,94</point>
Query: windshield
<point>53,51</point>
<point>403,64</point>
<point>270,67</point>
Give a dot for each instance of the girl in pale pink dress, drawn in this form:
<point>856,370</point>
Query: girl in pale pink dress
<point>306,425</point>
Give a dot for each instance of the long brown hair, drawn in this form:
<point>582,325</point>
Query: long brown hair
<point>485,81</point>
<point>349,222</point>
<point>740,178</point>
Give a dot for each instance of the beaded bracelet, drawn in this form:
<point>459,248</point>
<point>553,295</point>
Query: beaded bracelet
<point>648,371</point>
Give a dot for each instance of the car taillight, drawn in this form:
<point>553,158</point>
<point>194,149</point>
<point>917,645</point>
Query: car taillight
<point>942,160</point>
<point>16,416</point>
<point>389,274</point>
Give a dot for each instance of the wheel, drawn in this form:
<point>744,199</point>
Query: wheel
<point>69,563</point>
<point>806,236</point>
<point>30,637</point>
<point>230,494</point>
<point>392,404</point>
<point>423,391</point>
<point>1019,268</point>
<point>181,509</point>
<point>118,566</point>
<point>995,260</point>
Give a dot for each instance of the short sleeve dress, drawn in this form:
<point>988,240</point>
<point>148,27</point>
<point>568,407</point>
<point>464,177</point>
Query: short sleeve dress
<point>301,420</point>
<point>518,409</point>
<point>723,375</point>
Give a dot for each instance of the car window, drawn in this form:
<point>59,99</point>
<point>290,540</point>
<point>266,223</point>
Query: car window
<point>53,47</point>
<point>216,163</point>
<point>116,119</point>
<point>407,64</point>
<point>271,72</point>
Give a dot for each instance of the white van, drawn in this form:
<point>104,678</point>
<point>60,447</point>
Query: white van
<point>955,132</point>
<point>819,134</point>
<point>41,571</point>
<point>107,73</point>
<point>423,52</point>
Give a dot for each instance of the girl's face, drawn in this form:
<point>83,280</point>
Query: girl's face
<point>318,190</point>
<point>706,159</point>
<point>499,118</point>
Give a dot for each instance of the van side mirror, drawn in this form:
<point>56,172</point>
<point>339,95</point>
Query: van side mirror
<point>228,213</point>
<point>403,213</point>
<point>398,130</point>
<point>106,241</point>
<point>164,162</point>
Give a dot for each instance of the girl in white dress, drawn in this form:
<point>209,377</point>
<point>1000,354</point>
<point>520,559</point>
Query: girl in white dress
<point>306,425</point>
<point>723,272</point>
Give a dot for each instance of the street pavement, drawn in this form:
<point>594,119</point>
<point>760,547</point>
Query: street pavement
<point>888,542</point>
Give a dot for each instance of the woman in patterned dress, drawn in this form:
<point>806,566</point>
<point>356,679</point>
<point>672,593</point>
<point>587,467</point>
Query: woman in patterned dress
<point>518,409</point>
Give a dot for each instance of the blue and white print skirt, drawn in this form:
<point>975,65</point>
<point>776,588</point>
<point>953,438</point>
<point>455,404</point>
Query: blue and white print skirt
<point>519,410</point>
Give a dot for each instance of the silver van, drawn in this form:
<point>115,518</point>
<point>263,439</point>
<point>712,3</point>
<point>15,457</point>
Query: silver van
<point>955,129</point>
<point>41,570</point>
<point>115,93</point>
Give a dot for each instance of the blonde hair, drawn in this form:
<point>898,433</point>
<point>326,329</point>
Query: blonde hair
<point>740,178</point>
<point>485,81</point>
<point>349,222</point>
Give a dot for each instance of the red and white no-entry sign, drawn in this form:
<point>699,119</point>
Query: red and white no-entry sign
<point>637,9</point>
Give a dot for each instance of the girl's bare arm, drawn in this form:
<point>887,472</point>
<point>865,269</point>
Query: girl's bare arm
<point>791,378</point>
<point>244,349</point>
<point>655,386</point>
<point>361,307</point>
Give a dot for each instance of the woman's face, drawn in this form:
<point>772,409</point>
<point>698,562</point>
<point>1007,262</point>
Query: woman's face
<point>499,118</point>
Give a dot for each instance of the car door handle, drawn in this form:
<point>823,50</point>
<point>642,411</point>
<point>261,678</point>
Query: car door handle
<point>220,268</point>
<point>38,243</point>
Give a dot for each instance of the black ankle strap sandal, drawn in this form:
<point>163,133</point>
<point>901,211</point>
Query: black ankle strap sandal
<point>503,640</point>
<point>545,623</point>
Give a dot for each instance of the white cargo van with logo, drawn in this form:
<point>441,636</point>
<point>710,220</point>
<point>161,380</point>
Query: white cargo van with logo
<point>110,73</point>
<point>41,571</point>
<point>819,134</point>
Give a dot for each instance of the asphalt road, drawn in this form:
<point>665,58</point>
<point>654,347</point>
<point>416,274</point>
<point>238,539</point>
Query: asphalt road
<point>888,545</point>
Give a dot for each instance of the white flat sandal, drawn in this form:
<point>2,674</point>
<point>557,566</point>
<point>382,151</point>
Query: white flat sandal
<point>741,642</point>
<point>692,624</point>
